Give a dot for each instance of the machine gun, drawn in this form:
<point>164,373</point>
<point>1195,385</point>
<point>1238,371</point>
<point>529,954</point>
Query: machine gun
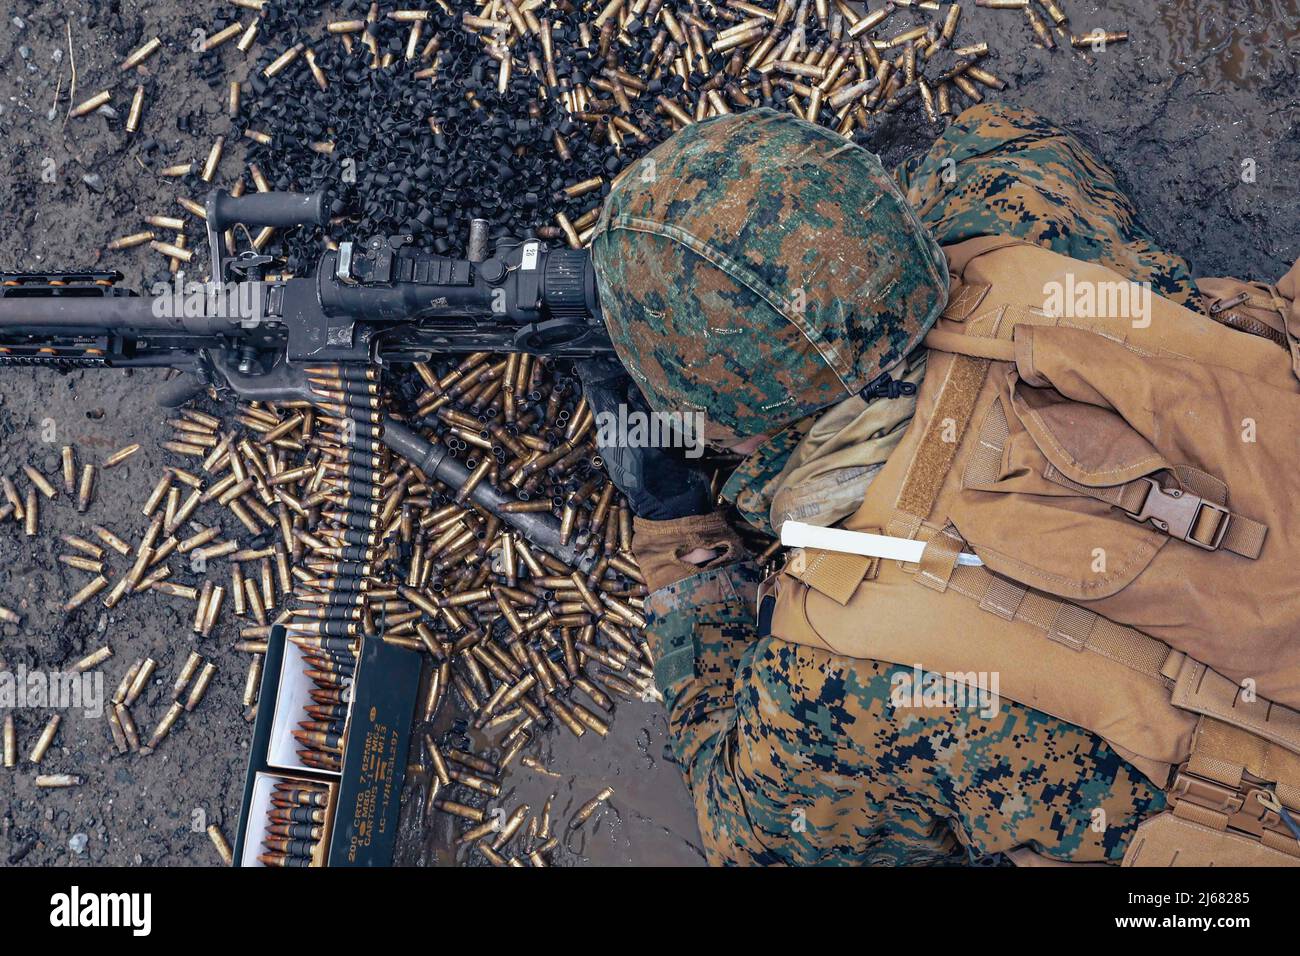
<point>378,302</point>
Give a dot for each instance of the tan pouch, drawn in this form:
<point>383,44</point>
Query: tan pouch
<point>1169,840</point>
<point>1086,436</point>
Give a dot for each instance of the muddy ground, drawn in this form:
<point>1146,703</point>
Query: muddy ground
<point>1197,113</point>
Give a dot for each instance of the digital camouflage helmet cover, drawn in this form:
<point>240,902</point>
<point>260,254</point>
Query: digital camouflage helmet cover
<point>757,268</point>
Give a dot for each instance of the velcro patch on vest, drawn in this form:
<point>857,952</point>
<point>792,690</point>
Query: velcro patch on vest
<point>937,449</point>
<point>832,573</point>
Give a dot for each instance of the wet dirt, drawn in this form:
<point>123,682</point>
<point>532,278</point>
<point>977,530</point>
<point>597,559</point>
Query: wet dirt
<point>1197,113</point>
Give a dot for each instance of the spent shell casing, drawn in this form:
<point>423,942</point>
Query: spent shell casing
<point>115,728</point>
<point>983,76</point>
<point>69,469</point>
<point>211,163</point>
<point>92,104</point>
<point>110,539</point>
<point>138,56</point>
<point>253,680</point>
<point>31,514</point>
<point>49,781</point>
<point>201,685</point>
<point>221,36</point>
<point>1053,11</point>
<point>283,60</point>
<point>86,489</point>
<point>137,110</point>
<point>140,681</point>
<point>10,742</point>
<point>175,224</point>
<point>187,672</point>
<point>165,725</point>
<point>124,685</point>
<point>250,36</point>
<point>1098,38</point>
<point>156,496</point>
<point>86,593</point>
<point>511,826</point>
<point>176,590</point>
<point>81,563</point>
<point>92,660</point>
<point>10,617</point>
<point>219,841</point>
<point>1040,29</point>
<point>129,729</point>
<point>213,609</point>
<point>14,499</point>
<point>46,738</point>
<point>131,241</point>
<point>172,250</point>
<point>587,809</point>
<point>201,610</point>
<point>40,481</point>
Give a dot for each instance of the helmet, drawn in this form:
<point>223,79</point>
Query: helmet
<point>756,267</point>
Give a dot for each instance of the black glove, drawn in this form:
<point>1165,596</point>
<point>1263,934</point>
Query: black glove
<point>660,483</point>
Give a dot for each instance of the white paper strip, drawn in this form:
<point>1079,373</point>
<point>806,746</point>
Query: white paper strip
<point>796,534</point>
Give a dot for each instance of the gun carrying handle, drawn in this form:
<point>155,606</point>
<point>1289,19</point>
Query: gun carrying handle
<point>267,209</point>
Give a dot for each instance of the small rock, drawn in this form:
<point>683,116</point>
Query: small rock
<point>78,843</point>
<point>19,23</point>
<point>94,181</point>
<point>25,52</point>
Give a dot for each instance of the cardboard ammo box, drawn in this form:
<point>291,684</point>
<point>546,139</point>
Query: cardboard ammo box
<point>364,799</point>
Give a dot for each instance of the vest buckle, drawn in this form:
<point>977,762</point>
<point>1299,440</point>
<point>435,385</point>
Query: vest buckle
<point>1178,514</point>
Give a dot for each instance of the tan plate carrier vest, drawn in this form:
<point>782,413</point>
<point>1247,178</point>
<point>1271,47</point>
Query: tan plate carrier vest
<point>1132,485</point>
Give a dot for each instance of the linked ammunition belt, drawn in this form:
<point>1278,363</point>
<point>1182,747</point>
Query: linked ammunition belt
<point>332,612</point>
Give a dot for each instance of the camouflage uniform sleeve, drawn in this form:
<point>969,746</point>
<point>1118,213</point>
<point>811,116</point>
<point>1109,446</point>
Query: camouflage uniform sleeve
<point>999,170</point>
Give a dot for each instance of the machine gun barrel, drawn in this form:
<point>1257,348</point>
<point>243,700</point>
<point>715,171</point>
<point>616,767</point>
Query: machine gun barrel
<point>91,314</point>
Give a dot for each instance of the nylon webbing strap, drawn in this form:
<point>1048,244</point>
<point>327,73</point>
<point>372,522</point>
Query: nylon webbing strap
<point>1063,622</point>
<point>984,463</point>
<point>1194,687</point>
<point>965,300</point>
<point>833,573</point>
<point>939,559</point>
<point>1204,691</point>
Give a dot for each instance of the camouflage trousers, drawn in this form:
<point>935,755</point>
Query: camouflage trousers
<point>797,756</point>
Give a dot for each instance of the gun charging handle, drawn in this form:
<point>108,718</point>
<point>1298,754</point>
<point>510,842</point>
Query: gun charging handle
<point>280,210</point>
